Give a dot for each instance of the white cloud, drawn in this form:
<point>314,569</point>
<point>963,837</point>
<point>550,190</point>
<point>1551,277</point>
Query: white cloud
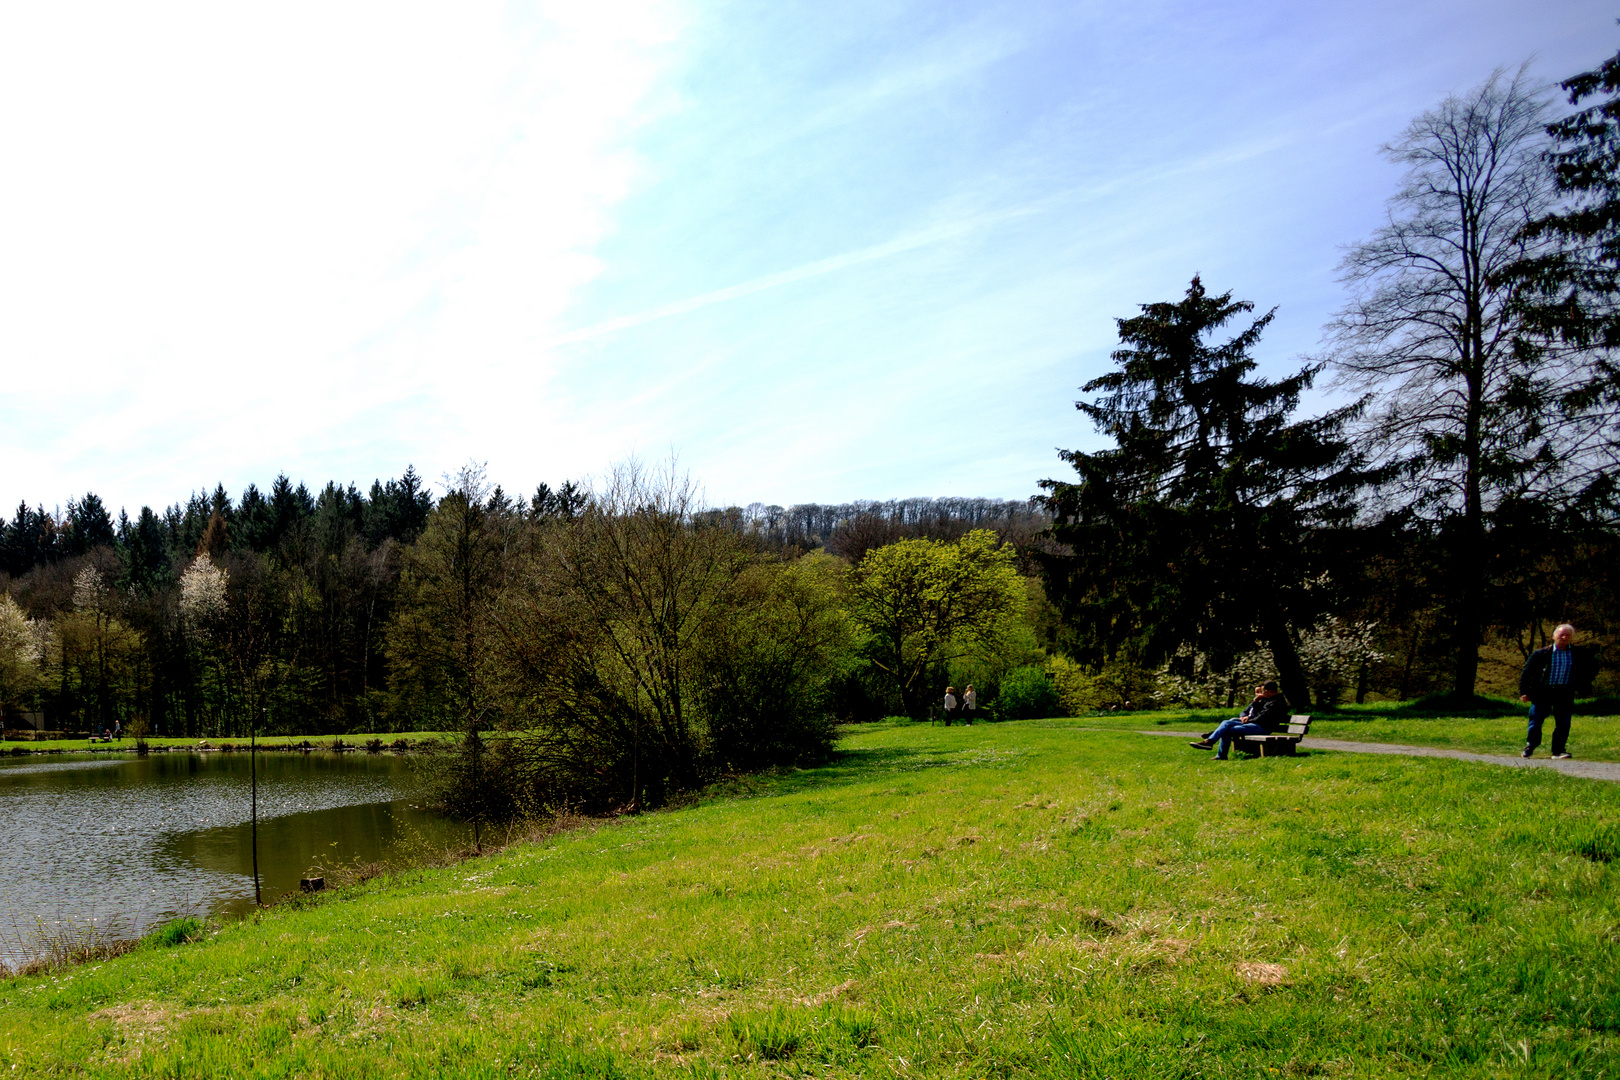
<point>238,230</point>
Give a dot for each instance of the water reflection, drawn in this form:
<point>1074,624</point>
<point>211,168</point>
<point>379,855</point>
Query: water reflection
<point>124,843</point>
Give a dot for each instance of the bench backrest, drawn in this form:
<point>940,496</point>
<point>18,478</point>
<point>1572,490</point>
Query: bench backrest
<point>1298,725</point>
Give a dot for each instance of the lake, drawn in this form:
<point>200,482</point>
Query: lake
<point>118,844</point>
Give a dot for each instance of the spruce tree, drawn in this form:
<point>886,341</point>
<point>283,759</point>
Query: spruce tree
<point>1198,532</point>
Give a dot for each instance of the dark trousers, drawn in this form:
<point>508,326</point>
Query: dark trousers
<point>1559,703</point>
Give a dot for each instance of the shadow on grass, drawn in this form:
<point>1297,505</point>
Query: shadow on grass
<point>849,766</point>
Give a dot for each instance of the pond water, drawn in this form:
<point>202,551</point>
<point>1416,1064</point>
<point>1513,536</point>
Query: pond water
<point>116,844</point>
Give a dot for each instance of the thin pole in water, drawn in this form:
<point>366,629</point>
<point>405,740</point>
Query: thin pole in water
<point>253,774</point>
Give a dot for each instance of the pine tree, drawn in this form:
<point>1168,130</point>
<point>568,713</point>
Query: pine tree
<point>1198,531</point>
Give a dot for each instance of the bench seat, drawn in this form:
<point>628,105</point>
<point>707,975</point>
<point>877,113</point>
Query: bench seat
<point>1283,742</point>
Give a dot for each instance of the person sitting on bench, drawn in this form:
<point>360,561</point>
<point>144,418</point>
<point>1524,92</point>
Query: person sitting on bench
<point>1266,714</point>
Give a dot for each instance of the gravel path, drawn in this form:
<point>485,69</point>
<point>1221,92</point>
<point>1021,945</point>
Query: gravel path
<point>1592,770</point>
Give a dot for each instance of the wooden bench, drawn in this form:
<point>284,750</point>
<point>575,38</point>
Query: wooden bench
<point>1283,742</point>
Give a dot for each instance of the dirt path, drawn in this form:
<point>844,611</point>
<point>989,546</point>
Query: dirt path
<point>1592,770</point>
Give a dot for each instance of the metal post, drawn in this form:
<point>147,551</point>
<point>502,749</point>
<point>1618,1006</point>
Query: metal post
<point>253,774</point>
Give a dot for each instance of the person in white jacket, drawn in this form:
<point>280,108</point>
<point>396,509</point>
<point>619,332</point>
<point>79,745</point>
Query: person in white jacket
<point>970,701</point>
<point>950,705</point>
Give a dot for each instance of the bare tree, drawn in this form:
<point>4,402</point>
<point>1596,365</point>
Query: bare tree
<point>441,635</point>
<point>1459,415</point>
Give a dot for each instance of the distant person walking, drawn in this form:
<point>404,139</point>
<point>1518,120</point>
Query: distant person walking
<point>970,701</point>
<point>1551,678</point>
<point>950,705</point>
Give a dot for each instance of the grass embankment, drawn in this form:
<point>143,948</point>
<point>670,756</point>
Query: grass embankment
<point>1591,738</point>
<point>1025,899</point>
<point>267,743</point>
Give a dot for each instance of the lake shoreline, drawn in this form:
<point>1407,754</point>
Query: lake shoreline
<point>394,742</point>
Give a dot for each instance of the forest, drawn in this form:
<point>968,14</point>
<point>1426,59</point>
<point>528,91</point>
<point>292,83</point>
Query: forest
<point>1417,538</point>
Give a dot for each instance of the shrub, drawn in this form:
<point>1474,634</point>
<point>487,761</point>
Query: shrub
<point>1027,693</point>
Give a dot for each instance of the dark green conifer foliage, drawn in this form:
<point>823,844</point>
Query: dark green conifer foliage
<point>89,525</point>
<point>1197,530</point>
<point>1569,291</point>
<point>255,520</point>
<point>24,545</point>
<point>146,553</point>
<point>397,510</point>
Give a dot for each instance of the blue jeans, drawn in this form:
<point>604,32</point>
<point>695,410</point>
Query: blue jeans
<point>1559,702</point>
<point>1227,730</point>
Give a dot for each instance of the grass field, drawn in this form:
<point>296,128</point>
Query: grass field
<point>1007,900</point>
<point>1592,738</point>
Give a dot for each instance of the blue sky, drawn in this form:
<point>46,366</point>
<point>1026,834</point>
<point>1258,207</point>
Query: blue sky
<point>821,251</point>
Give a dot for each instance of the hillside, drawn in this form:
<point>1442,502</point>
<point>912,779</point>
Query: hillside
<point>1026,899</point>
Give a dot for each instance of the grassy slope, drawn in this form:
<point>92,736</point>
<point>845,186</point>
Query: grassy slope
<point>1591,738</point>
<point>1003,900</point>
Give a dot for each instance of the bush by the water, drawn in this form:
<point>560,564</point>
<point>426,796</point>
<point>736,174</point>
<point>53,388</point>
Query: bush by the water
<point>637,651</point>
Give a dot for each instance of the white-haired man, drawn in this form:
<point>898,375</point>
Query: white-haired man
<point>1550,680</point>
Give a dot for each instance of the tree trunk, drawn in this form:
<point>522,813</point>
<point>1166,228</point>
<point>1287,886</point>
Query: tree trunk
<point>1468,556</point>
<point>1290,672</point>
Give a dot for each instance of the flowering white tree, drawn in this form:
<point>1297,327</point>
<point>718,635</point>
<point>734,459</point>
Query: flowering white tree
<point>202,596</point>
<point>1333,653</point>
<point>22,652</point>
<point>90,591</point>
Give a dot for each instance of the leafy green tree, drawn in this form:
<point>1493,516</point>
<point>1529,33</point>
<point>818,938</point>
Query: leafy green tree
<point>924,603</point>
<point>1198,531</point>
<point>97,653</point>
<point>763,671</point>
<point>439,641</point>
<point>647,646</point>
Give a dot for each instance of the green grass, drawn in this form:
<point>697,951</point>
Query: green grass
<point>1591,738</point>
<point>1007,900</point>
<point>266,742</point>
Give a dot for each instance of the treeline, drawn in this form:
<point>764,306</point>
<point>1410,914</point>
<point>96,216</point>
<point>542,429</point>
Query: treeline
<point>308,614</point>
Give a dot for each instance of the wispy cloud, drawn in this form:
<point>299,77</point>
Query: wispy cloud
<point>911,241</point>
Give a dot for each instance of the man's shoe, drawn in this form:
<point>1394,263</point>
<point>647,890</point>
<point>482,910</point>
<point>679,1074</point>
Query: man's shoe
<point>1562,757</point>
<point>1525,752</point>
<point>1201,744</point>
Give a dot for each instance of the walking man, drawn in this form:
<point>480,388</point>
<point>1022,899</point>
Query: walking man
<point>1551,678</point>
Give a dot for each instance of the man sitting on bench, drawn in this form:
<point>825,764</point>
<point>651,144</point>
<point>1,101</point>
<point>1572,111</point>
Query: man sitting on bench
<point>1266,714</point>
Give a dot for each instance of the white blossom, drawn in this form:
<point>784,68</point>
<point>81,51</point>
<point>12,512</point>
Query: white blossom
<point>90,592</point>
<point>22,649</point>
<point>202,594</point>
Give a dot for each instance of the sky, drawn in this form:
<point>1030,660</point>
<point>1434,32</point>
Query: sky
<point>816,251</point>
